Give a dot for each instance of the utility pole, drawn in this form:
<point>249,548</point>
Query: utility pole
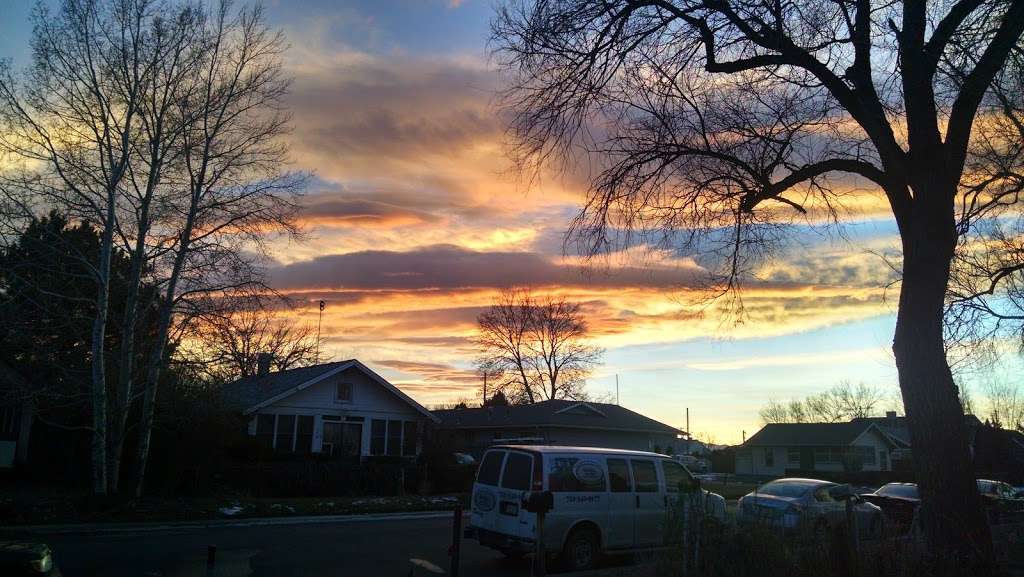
<point>616,388</point>
<point>319,320</point>
<point>689,437</point>
<point>485,387</point>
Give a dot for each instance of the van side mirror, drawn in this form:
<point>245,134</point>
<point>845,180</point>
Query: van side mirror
<point>690,484</point>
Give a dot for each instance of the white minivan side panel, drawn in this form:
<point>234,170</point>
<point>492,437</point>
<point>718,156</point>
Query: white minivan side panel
<point>650,502</point>
<point>579,485</point>
<point>621,504</point>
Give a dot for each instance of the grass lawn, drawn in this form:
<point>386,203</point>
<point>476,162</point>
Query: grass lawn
<point>49,506</point>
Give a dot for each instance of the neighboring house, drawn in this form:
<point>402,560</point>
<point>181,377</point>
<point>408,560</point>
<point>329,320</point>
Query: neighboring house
<point>341,409</point>
<point>778,447</point>
<point>557,422</point>
<point>868,444</point>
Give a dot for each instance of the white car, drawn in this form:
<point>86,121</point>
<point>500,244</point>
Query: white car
<point>807,504</point>
<point>603,500</point>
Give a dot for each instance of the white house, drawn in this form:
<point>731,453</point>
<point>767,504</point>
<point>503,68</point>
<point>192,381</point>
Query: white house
<point>780,447</point>
<point>341,409</point>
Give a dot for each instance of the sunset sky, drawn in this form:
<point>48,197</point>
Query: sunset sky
<point>415,221</point>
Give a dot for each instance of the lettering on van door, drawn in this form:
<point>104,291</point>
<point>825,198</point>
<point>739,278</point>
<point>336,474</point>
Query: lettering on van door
<point>583,499</point>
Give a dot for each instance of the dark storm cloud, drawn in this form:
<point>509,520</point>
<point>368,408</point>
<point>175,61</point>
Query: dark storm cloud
<point>451,267</point>
<point>362,212</point>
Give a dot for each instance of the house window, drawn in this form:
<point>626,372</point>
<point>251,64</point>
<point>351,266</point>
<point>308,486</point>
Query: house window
<point>343,393</point>
<point>769,456</point>
<point>793,457</point>
<point>883,460</point>
<point>378,436</point>
<point>285,434</point>
<point>409,438</point>
<point>828,455</point>
<point>265,430</point>
<point>394,448</point>
<point>304,435</point>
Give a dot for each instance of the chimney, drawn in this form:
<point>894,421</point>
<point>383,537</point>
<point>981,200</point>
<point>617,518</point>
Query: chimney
<point>263,361</point>
<point>891,415</point>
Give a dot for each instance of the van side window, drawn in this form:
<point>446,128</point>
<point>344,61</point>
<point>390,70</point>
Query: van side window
<point>573,474</point>
<point>646,476</point>
<point>675,474</point>
<point>517,471</point>
<point>490,468</point>
<point>618,475</point>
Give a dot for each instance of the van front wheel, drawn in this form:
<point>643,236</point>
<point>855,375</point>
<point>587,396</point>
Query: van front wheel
<point>582,549</point>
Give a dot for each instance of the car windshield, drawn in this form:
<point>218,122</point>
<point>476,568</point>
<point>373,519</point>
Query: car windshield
<point>898,490</point>
<point>987,487</point>
<point>786,489</point>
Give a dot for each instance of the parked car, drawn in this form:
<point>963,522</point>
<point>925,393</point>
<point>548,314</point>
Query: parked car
<point>1001,501</point>
<point>899,503</point>
<point>22,559</point>
<point>604,500</point>
<point>694,464</point>
<point>464,459</point>
<point>808,504</point>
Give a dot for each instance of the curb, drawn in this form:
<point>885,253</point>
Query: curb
<point>220,523</point>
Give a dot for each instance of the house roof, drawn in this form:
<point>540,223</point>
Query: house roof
<point>811,434</point>
<point>555,413</point>
<point>252,393</point>
<point>897,428</point>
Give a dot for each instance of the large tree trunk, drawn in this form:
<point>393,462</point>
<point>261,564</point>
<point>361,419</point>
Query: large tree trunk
<point>954,523</point>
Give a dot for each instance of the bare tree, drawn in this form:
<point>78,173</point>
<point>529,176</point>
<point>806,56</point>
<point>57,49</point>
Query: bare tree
<point>162,122</point>
<point>1005,405</point>
<point>842,402</point>
<point>539,344</point>
<point>232,163</point>
<point>227,345</point>
<point>73,114</point>
<point>503,340</point>
<point>777,412</point>
<point>714,124</point>
<point>561,359</point>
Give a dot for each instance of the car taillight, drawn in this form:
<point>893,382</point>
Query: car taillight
<point>538,473</point>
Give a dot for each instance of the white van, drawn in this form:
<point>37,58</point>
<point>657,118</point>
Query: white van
<point>605,500</point>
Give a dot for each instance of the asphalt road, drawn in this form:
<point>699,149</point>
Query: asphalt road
<point>375,548</point>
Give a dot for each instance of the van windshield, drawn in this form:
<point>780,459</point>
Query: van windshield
<point>490,468</point>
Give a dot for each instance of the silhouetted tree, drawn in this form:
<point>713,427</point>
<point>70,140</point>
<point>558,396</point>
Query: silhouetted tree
<point>716,123</point>
<point>539,343</point>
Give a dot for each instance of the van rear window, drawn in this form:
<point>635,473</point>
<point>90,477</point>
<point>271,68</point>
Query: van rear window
<point>518,467</point>
<point>490,468</point>
<point>572,474</point>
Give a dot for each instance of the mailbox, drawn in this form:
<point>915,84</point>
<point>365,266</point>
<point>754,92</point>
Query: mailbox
<point>539,502</point>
